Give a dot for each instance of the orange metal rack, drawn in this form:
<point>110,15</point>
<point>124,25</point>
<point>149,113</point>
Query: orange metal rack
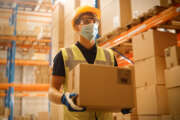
<point>150,23</point>
<point>27,62</point>
<point>25,87</point>
<point>122,62</point>
<point>27,13</point>
<point>25,38</point>
<point>26,94</point>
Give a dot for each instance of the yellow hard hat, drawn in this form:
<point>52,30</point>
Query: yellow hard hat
<point>85,9</point>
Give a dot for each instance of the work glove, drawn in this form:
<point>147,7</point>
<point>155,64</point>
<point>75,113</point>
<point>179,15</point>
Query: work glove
<point>126,110</point>
<point>68,99</point>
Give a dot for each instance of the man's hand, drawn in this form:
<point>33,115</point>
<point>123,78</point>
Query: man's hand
<point>68,100</point>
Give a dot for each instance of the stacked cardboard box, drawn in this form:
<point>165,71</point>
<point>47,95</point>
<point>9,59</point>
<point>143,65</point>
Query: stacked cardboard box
<point>45,31</point>
<point>56,112</point>
<point>172,75</point>
<point>172,56</point>
<point>1,110</point>
<point>43,116</point>
<point>58,24</point>
<point>70,36</point>
<point>4,112</point>
<point>102,88</point>
<point>26,23</point>
<point>57,28</point>
<point>5,29</point>
<point>32,106</point>
<point>113,14</point>
<point>26,117</point>
<point>42,74</point>
<point>29,25</point>
<point>149,59</point>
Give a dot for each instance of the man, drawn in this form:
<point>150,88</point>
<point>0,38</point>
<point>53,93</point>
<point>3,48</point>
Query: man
<point>85,22</point>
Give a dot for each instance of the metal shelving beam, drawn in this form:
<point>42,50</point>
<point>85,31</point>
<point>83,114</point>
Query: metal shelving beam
<point>122,62</point>
<point>44,47</point>
<point>124,57</point>
<point>25,87</point>
<point>2,94</point>
<point>25,20</point>
<point>27,13</point>
<point>27,62</point>
<point>25,38</point>
<point>9,99</point>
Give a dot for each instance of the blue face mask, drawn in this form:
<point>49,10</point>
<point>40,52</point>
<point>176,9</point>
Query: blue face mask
<point>89,31</point>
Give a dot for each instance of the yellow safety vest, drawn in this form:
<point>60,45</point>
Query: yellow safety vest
<point>73,56</point>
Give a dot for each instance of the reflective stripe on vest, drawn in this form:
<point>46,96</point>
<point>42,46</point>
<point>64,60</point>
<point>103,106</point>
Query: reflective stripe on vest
<point>71,62</point>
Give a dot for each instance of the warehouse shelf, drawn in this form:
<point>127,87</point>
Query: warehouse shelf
<point>27,43</point>
<point>27,3</point>
<point>27,62</point>
<point>44,47</point>
<point>150,23</point>
<point>25,20</point>
<point>25,87</point>
<point>28,13</point>
<point>28,46</point>
<point>25,38</point>
<point>26,94</point>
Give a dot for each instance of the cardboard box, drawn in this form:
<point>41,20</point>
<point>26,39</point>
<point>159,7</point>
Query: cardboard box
<point>103,88</point>
<point>150,71</point>
<point>26,117</point>
<point>149,117</point>
<point>172,55</point>
<point>57,32</point>
<point>3,118</point>
<point>172,77</point>
<point>164,3</point>
<point>174,100</point>
<point>152,100</point>
<point>43,116</point>
<point>113,15</point>
<point>152,43</point>
<point>167,117</point>
<point>2,110</point>
<point>56,112</point>
<point>6,112</point>
<point>176,117</point>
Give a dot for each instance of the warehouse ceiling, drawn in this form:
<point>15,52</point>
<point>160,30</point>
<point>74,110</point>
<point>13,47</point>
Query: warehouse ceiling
<point>28,5</point>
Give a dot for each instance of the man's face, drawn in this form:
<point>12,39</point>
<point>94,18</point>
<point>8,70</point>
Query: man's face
<point>85,20</point>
